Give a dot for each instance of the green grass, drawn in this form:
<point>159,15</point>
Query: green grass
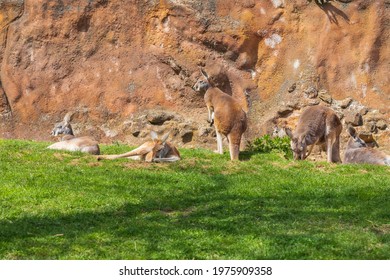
<point>60,205</point>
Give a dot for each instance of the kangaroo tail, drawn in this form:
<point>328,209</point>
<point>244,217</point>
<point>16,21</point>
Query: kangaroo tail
<point>387,160</point>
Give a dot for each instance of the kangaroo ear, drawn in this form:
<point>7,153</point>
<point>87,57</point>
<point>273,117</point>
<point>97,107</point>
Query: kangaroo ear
<point>68,117</point>
<point>165,137</point>
<point>302,139</point>
<point>288,132</point>
<point>153,134</point>
<point>351,131</point>
<point>204,73</point>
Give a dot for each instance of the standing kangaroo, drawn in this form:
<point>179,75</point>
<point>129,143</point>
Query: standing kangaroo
<point>317,125</point>
<point>358,152</point>
<point>157,150</point>
<point>225,112</point>
<point>69,142</point>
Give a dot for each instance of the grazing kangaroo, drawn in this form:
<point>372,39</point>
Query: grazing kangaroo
<point>317,125</point>
<point>157,150</point>
<point>69,142</point>
<point>225,112</point>
<point>357,151</point>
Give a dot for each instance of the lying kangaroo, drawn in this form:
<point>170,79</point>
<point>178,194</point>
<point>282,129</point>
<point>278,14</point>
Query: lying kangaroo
<point>225,112</point>
<point>317,125</point>
<point>69,142</point>
<point>157,150</point>
<point>357,151</point>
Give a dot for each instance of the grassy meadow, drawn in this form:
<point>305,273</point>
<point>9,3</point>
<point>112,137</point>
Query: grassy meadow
<point>62,205</point>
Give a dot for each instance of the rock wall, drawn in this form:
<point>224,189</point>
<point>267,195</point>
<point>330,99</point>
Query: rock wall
<point>128,66</point>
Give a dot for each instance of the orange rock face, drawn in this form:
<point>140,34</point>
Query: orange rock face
<point>116,61</point>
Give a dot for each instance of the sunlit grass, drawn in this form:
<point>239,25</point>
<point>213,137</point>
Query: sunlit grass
<point>60,205</point>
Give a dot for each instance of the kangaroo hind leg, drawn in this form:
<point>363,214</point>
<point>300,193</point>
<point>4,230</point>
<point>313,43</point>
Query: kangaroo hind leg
<point>336,150</point>
<point>234,147</point>
<point>219,143</point>
<point>333,148</point>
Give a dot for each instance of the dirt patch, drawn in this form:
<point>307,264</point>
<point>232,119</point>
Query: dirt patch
<point>75,162</point>
<point>136,164</point>
<point>175,213</point>
<point>61,156</point>
<point>94,164</point>
<point>381,229</point>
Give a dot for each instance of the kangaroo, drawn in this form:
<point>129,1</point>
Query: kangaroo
<point>69,142</point>
<point>157,150</point>
<point>357,151</point>
<point>317,125</point>
<point>225,113</point>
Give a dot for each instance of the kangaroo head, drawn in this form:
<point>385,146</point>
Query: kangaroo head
<point>161,148</point>
<point>354,141</point>
<point>202,84</point>
<point>298,144</point>
<point>63,127</point>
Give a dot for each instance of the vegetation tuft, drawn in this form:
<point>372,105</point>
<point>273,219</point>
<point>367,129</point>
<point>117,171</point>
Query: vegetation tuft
<point>268,144</point>
<point>62,205</point>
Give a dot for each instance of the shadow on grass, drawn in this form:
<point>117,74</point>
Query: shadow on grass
<point>246,155</point>
<point>211,223</point>
<point>203,207</point>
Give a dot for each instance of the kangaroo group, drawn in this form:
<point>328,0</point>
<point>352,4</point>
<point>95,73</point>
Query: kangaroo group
<point>317,125</point>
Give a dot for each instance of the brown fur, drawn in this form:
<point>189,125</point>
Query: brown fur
<point>358,152</point>
<point>69,142</point>
<point>227,115</point>
<point>316,126</point>
<point>156,150</point>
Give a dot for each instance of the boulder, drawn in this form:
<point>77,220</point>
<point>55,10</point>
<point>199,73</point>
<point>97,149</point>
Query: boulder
<point>354,118</point>
<point>325,96</point>
<point>381,124</point>
<point>159,117</point>
<point>346,102</point>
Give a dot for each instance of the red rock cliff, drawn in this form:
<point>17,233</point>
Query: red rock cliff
<point>126,66</point>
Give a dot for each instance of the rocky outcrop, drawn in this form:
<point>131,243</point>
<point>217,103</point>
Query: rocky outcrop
<point>113,61</point>
<point>9,12</point>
